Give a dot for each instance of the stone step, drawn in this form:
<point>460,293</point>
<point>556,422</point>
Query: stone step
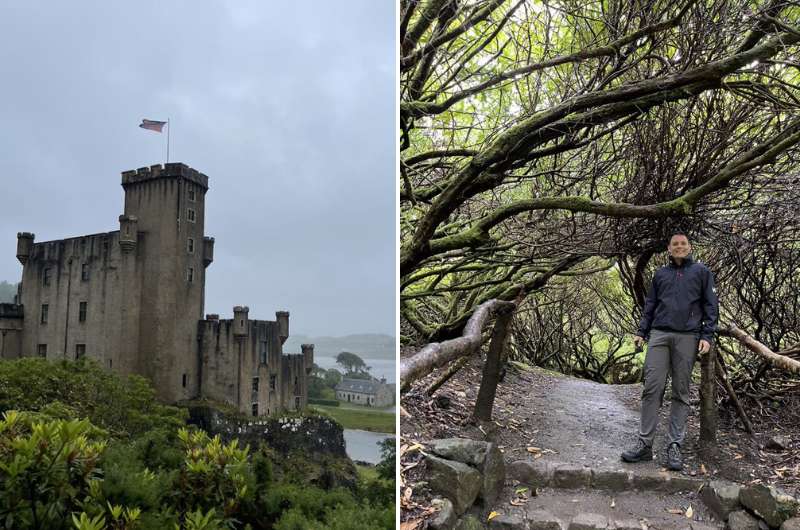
<point>544,474</point>
<point>558,509</point>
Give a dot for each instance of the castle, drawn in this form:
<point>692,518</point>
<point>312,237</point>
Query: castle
<point>133,300</point>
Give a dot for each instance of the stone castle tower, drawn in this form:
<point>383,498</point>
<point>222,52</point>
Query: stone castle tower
<point>133,299</point>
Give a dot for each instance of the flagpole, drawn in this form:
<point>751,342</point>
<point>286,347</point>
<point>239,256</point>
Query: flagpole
<point>168,128</point>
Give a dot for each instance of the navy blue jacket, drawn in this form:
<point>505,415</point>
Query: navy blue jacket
<point>682,298</point>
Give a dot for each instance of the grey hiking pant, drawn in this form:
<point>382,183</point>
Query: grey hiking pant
<point>673,353</point>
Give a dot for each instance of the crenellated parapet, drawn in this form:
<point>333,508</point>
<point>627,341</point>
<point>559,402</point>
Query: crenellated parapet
<point>157,171</point>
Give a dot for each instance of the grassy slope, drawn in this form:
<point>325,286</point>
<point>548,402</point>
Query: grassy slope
<point>364,419</point>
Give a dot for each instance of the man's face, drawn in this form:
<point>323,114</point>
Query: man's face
<point>679,247</point>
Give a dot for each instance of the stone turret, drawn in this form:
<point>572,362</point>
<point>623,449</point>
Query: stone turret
<point>283,325</point>
<point>24,246</point>
<point>128,229</point>
<point>308,356</point>
<point>208,251</point>
<point>240,321</point>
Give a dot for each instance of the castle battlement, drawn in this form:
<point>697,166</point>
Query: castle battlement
<point>157,171</point>
<point>133,299</point>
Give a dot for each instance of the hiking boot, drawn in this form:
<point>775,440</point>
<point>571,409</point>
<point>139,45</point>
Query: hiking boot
<point>674,457</point>
<point>642,452</point>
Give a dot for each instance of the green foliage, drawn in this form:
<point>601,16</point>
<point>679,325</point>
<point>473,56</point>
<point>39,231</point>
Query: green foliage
<point>351,362</point>
<point>123,406</point>
<point>47,470</point>
<point>324,402</point>
<point>386,467</point>
<point>141,473</point>
<point>213,474</point>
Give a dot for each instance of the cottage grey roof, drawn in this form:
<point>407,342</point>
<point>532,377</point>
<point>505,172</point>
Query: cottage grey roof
<point>363,386</point>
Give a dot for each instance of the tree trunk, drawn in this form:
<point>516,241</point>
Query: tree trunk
<point>491,368</point>
<point>708,403</point>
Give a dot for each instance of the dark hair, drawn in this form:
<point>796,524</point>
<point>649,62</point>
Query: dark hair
<point>677,233</point>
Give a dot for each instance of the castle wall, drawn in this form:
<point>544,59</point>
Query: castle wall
<point>67,273</point>
<point>11,320</point>
<point>133,299</point>
<point>230,360</point>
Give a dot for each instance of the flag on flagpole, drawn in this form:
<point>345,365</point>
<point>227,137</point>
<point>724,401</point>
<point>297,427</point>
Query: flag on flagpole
<point>152,125</point>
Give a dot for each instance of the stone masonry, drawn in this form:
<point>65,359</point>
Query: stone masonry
<point>133,300</point>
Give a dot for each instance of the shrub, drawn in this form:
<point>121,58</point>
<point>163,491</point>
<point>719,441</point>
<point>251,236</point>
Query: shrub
<point>47,470</point>
<point>125,406</point>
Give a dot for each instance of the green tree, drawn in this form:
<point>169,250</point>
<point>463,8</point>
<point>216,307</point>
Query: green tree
<point>352,363</point>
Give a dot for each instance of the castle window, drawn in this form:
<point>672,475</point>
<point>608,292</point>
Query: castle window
<point>105,244</point>
<point>80,351</point>
<point>190,215</point>
<point>184,380</point>
<point>263,353</point>
<point>190,246</point>
<point>190,275</point>
<point>255,409</point>
<point>82,312</point>
<point>295,380</point>
<point>45,309</point>
<point>192,195</point>
<point>272,380</point>
<point>85,272</point>
<point>46,277</point>
<point>42,350</point>
<point>297,403</point>
<point>255,384</point>
<point>110,363</point>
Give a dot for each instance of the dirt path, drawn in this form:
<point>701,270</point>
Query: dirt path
<point>574,421</point>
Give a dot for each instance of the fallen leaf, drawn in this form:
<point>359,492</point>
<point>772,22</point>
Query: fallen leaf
<point>407,494</point>
<point>415,447</point>
<point>689,512</point>
<point>411,525</point>
<point>676,511</point>
<point>534,450</point>
<point>613,503</point>
<point>492,515</point>
<point>703,469</point>
<point>518,502</point>
<point>738,456</point>
<point>521,491</point>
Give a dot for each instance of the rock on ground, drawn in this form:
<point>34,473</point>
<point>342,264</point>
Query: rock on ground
<point>771,504</point>
<point>458,482</point>
<point>741,520</point>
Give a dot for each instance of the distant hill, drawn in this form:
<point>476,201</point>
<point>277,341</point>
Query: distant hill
<point>7,292</point>
<point>367,345</point>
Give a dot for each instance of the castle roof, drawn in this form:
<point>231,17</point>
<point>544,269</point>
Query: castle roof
<point>363,386</point>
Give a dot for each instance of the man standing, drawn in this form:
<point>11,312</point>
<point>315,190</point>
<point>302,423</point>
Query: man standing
<point>680,317</point>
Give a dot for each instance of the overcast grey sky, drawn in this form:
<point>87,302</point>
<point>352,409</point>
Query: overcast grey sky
<point>288,107</point>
